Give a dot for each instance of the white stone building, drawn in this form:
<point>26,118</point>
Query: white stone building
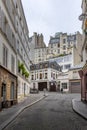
<point>23,50</point>
<point>8,54</point>
<point>14,48</point>
<point>44,75</point>
<point>83,18</point>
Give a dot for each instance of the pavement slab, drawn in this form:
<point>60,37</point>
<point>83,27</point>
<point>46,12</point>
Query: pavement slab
<point>80,107</point>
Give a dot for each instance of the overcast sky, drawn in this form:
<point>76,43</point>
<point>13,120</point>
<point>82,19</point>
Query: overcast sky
<point>51,16</point>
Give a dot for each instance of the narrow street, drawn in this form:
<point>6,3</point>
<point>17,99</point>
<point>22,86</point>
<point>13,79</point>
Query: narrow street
<point>52,113</point>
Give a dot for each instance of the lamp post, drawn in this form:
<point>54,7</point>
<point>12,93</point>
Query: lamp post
<point>83,17</point>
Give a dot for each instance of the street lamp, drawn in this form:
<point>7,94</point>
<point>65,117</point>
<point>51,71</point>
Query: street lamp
<point>83,16</point>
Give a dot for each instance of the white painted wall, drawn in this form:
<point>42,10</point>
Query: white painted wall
<point>10,52</point>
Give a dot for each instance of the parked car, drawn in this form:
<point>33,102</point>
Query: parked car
<point>34,90</point>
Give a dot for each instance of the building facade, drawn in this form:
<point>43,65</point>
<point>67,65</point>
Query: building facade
<point>41,54</point>
<point>63,81</point>
<point>62,43</point>
<point>37,48</point>
<point>8,53</point>
<point>14,52</point>
<point>74,79</point>
<point>23,50</point>
<point>44,75</point>
<point>83,71</point>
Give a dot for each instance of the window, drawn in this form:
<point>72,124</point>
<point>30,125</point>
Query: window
<point>32,77</point>
<point>64,47</point>
<point>41,66</point>
<point>67,66</point>
<point>58,45</point>
<point>51,74</point>
<point>68,58</point>
<point>17,45</point>
<point>37,76</point>
<point>19,66</point>
<point>45,75</point>
<point>40,75</point>
<point>64,85</point>
<point>46,65</point>
<point>12,91</point>
<point>12,63</point>
<point>64,40</point>
<point>33,85</point>
<point>5,56</point>
<point>3,91</point>
<point>56,75</point>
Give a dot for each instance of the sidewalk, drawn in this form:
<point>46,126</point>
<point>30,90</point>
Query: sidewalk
<point>80,107</point>
<point>8,115</point>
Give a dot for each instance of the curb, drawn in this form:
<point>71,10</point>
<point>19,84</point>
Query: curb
<point>77,111</point>
<point>6,123</point>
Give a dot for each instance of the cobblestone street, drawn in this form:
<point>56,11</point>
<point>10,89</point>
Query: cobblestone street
<point>53,113</point>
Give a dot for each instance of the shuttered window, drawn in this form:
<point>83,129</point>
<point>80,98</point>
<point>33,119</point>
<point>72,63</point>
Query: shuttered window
<point>12,63</point>
<point>5,56</point>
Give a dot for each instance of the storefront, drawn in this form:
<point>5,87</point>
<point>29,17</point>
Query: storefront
<point>8,88</point>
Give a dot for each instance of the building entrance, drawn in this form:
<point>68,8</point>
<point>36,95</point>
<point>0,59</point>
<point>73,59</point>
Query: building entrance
<point>42,85</point>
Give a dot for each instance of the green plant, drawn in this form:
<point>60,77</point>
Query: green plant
<point>21,68</point>
<point>26,74</point>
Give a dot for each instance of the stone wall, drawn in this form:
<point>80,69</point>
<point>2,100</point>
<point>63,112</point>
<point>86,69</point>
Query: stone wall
<point>7,78</point>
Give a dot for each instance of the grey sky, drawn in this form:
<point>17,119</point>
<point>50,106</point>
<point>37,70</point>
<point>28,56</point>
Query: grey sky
<point>51,16</point>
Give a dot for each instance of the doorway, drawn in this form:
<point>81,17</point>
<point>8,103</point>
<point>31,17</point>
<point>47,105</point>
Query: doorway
<point>42,85</point>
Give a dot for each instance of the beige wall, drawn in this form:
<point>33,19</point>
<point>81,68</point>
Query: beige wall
<point>73,74</point>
